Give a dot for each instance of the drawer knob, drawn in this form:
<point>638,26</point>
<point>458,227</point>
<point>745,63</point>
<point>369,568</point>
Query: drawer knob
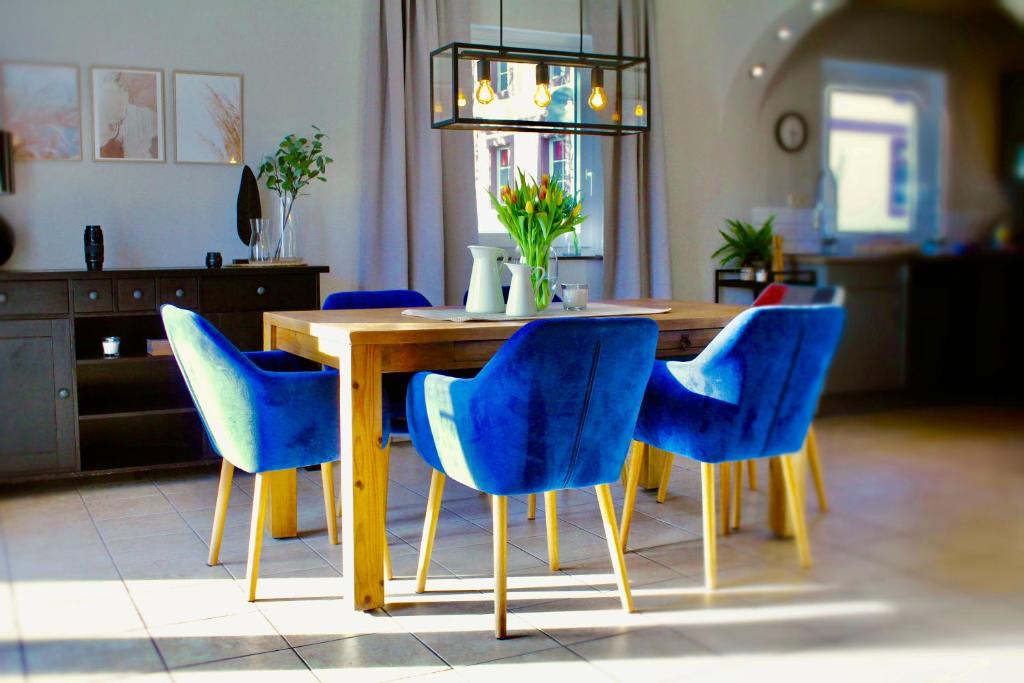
<point>261,290</point>
<point>180,293</point>
<point>3,298</point>
<point>93,295</point>
<point>137,294</point>
<point>63,393</point>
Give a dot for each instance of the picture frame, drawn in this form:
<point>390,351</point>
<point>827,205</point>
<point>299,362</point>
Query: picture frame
<point>209,117</point>
<point>128,120</point>
<point>41,107</point>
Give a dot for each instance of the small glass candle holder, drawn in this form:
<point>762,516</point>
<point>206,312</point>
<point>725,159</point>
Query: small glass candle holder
<point>575,296</point>
<point>111,347</point>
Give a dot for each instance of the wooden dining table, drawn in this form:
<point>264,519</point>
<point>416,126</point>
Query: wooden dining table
<point>365,344</point>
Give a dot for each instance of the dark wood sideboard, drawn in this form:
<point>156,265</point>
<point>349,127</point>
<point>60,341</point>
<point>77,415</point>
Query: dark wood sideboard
<point>66,410</point>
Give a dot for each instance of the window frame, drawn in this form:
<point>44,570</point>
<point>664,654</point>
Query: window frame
<point>927,88</point>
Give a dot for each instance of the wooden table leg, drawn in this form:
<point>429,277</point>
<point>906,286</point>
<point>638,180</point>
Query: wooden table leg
<point>653,464</point>
<point>283,504</point>
<point>778,511</point>
<point>363,476</point>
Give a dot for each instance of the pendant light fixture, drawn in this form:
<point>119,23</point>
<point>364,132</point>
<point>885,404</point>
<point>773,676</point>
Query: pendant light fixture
<point>576,102</point>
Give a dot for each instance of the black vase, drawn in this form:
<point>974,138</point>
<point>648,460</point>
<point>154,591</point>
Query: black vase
<point>93,247</point>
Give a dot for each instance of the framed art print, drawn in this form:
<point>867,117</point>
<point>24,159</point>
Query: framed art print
<point>128,114</point>
<point>208,121</point>
<point>41,108</point>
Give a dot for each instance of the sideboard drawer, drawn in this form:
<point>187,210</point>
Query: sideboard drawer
<point>136,294</point>
<point>179,291</point>
<point>33,297</point>
<point>259,293</point>
<point>92,296</point>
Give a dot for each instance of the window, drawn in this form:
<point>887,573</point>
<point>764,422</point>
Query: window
<point>882,149</point>
<point>504,78</point>
<point>499,155</point>
<point>502,167</point>
<point>872,141</point>
<point>560,162</point>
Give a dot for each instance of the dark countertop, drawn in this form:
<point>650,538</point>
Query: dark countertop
<point>226,271</point>
<point>906,257</point>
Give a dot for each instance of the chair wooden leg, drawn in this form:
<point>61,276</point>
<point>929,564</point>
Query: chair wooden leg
<point>227,472</point>
<point>666,474</point>
<point>611,533</point>
<point>330,508</point>
<point>737,491</point>
<point>499,515</point>
<point>814,461</point>
<point>796,510</point>
<point>531,506</point>
<point>752,474</point>
<point>551,517</point>
<point>636,461</point>
<point>259,515</point>
<point>723,472</point>
<point>429,528</point>
<point>707,485</point>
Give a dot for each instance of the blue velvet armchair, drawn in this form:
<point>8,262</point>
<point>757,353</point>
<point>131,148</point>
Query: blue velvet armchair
<point>554,409</point>
<point>261,415</point>
<point>751,393</point>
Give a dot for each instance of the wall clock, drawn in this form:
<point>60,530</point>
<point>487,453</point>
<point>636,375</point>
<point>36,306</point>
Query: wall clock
<point>791,132</point>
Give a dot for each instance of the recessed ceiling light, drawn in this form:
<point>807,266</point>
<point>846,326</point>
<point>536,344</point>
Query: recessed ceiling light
<point>784,33</point>
<point>757,70</point>
<point>819,5</point>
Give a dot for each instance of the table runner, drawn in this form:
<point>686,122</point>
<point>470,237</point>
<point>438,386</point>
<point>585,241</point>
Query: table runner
<point>594,310</point>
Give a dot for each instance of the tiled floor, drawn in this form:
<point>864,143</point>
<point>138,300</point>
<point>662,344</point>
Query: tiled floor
<point>918,575</point>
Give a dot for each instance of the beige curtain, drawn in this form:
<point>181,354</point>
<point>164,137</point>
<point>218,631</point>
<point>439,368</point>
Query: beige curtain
<point>636,252</point>
<point>417,209</point>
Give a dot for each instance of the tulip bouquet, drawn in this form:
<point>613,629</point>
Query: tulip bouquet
<point>535,215</point>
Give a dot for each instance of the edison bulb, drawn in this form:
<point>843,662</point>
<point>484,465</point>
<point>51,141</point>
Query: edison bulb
<point>616,116</point>
<point>461,99</point>
<point>484,91</point>
<point>598,100</point>
<point>639,110</point>
<point>542,95</point>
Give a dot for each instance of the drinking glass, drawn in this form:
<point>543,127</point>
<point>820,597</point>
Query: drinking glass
<point>575,296</point>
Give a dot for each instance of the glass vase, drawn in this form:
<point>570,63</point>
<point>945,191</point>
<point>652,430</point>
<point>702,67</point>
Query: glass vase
<point>544,282</point>
<point>259,240</point>
<point>285,231</point>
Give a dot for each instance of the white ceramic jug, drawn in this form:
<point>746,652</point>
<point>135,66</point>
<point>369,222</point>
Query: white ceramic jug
<point>521,302</point>
<point>485,281</point>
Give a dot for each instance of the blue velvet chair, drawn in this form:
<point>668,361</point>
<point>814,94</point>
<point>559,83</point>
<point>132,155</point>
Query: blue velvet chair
<point>259,419</point>
<point>394,385</point>
<point>751,393</point>
<point>554,409</point>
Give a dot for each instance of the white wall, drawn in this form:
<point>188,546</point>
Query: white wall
<point>302,64</point>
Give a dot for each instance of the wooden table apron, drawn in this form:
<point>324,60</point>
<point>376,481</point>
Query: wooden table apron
<point>364,344</point>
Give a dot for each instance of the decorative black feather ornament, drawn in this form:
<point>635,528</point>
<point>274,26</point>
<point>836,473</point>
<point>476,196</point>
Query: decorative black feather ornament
<point>248,204</point>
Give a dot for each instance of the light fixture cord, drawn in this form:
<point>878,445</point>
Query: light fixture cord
<point>581,26</point>
<point>501,23</point>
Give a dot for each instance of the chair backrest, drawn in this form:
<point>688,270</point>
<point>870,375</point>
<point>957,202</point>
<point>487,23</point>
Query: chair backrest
<point>385,298</point>
<point>556,407</point>
<point>771,362</point>
<point>219,378</point>
<point>504,294</point>
<point>777,294</point>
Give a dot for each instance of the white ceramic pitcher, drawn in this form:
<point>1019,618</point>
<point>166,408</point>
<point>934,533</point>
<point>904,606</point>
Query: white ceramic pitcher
<point>485,281</point>
<point>521,302</point>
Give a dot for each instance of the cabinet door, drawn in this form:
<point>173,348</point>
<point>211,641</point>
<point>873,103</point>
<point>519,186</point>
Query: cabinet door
<point>37,405</point>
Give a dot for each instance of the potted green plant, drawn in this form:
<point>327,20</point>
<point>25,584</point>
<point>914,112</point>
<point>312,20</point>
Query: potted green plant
<point>746,246</point>
<point>297,162</point>
<point>535,215</point>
